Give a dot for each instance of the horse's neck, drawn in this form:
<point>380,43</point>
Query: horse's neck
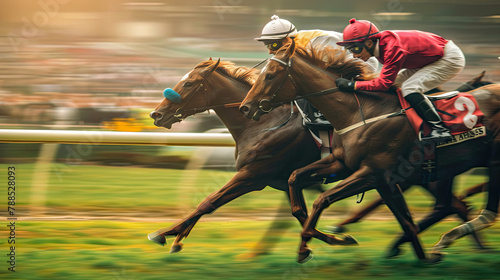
<point>226,91</point>
<point>340,108</point>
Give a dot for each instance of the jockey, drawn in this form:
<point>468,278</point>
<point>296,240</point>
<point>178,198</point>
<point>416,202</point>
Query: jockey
<point>417,60</point>
<point>279,32</point>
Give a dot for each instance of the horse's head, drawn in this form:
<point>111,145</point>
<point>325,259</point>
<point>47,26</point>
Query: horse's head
<point>273,86</point>
<point>181,101</point>
<point>476,82</point>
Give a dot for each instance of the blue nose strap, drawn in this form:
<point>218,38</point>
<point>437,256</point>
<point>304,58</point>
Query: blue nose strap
<point>171,95</point>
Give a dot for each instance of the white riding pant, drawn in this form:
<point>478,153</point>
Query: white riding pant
<point>432,75</point>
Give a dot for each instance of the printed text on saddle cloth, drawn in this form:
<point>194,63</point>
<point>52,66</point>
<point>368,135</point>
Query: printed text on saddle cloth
<point>462,117</point>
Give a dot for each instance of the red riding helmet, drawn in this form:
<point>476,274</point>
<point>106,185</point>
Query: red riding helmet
<point>358,31</point>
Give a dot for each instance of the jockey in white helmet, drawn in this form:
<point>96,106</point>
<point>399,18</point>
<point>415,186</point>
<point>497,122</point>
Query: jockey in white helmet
<point>279,32</point>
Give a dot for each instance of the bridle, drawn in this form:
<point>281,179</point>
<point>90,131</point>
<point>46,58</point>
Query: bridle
<point>269,102</point>
<point>180,112</point>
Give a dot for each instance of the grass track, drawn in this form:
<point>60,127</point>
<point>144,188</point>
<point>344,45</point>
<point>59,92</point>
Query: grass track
<point>216,250</point>
<point>111,248</point>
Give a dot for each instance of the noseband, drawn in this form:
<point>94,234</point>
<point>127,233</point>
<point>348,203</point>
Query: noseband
<point>178,113</point>
<point>269,102</point>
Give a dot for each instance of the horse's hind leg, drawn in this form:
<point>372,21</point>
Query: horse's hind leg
<point>446,204</point>
<point>487,216</point>
<point>239,185</point>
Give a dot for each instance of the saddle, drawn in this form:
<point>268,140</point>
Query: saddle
<point>459,112</point>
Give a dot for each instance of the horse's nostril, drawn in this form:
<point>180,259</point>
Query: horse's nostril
<point>155,115</point>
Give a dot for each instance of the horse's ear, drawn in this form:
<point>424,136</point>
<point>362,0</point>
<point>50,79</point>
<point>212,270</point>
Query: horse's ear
<point>207,71</point>
<point>478,78</point>
<point>291,49</point>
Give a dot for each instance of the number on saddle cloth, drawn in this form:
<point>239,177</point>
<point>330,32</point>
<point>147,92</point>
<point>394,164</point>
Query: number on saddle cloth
<point>459,112</point>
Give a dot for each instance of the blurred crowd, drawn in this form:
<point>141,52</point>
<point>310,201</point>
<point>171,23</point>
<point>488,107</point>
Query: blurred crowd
<point>105,64</point>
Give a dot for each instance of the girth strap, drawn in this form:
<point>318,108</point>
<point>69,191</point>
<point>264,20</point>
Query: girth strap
<point>365,122</point>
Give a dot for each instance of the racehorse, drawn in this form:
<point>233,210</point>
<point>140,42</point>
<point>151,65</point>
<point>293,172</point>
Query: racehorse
<point>381,151</point>
<point>267,158</point>
<point>474,83</point>
<point>264,156</point>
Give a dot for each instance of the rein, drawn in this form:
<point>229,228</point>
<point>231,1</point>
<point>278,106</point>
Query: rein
<point>288,65</point>
<point>319,93</point>
<point>179,115</point>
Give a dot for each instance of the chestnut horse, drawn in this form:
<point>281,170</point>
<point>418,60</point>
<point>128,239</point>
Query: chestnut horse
<point>355,217</point>
<point>382,151</point>
<point>264,156</point>
<point>267,158</point>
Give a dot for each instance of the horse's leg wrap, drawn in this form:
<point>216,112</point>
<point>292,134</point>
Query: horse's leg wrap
<point>484,220</point>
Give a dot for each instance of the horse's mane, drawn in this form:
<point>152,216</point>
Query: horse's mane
<point>243,74</point>
<point>336,60</point>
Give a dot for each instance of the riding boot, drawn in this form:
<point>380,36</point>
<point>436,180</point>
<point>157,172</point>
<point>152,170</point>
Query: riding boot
<point>425,109</point>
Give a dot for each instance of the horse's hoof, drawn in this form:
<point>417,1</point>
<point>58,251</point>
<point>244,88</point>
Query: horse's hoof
<point>393,252</point>
<point>305,256</point>
<point>435,257</point>
<point>176,248</point>
<point>157,238</point>
<point>350,240</point>
<point>336,229</point>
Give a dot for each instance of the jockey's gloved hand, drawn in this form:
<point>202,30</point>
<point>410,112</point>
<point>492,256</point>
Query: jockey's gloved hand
<point>345,85</point>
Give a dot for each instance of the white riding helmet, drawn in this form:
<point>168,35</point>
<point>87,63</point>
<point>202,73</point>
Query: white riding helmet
<point>277,29</point>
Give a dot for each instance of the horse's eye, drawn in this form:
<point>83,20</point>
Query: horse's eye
<point>188,84</point>
<point>269,76</point>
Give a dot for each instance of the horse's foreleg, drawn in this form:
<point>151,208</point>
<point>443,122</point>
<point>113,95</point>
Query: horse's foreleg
<point>239,185</point>
<point>340,228</point>
<point>394,199</point>
<point>441,190</point>
<point>354,218</point>
<point>352,185</point>
<point>303,177</point>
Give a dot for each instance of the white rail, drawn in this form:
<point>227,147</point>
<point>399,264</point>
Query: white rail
<point>116,138</point>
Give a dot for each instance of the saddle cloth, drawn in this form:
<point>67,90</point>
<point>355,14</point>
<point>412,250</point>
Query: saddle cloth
<point>460,114</point>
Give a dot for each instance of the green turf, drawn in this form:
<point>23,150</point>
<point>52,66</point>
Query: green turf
<point>218,250</point>
<point>101,190</point>
<point>218,247</point>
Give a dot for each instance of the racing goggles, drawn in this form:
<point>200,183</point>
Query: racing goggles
<point>356,48</point>
<point>274,46</point>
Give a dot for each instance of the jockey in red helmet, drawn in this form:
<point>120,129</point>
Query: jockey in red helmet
<point>417,60</point>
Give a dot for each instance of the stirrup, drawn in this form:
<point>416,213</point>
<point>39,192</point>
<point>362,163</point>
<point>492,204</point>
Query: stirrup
<point>445,95</point>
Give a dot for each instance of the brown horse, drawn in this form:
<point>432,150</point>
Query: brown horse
<point>355,217</point>
<point>383,152</point>
<point>260,159</point>
<point>264,156</point>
